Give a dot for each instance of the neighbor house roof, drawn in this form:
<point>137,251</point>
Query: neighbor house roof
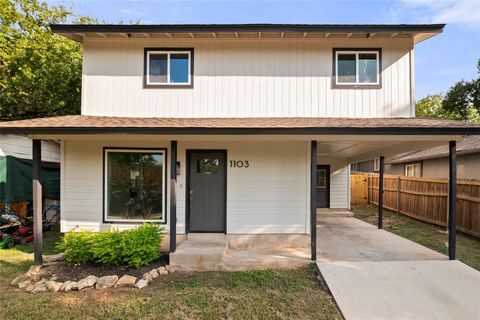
<point>81,124</point>
<point>468,145</point>
<point>78,32</point>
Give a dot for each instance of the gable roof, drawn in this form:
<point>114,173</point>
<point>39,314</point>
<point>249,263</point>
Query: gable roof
<point>82,124</point>
<point>468,145</point>
<point>78,32</point>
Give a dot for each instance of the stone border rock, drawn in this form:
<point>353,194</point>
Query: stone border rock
<point>35,279</point>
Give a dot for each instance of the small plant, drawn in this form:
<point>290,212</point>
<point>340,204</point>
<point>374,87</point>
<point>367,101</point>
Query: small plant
<point>108,247</point>
<point>77,246</point>
<point>135,248</point>
<point>141,245</point>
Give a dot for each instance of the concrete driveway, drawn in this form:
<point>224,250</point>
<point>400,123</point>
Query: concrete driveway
<point>374,274</point>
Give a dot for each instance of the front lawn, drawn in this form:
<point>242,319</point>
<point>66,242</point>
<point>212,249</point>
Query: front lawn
<point>431,236</point>
<point>268,294</point>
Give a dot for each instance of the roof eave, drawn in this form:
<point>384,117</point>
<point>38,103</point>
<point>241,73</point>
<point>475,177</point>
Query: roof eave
<point>395,131</point>
<point>77,32</point>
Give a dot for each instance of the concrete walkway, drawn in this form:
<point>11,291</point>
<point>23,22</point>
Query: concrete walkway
<point>374,274</point>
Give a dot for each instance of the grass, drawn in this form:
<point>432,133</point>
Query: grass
<point>431,236</point>
<point>20,258</point>
<point>266,294</point>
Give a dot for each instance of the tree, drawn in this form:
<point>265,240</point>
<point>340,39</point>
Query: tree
<point>462,102</point>
<point>430,106</point>
<point>40,72</point>
<point>463,96</point>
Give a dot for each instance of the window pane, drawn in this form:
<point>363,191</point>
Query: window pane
<point>179,68</point>
<point>208,166</point>
<point>346,68</point>
<point>367,68</point>
<point>321,178</point>
<point>158,68</point>
<point>134,185</point>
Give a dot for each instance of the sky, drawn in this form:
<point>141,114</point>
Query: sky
<point>439,62</point>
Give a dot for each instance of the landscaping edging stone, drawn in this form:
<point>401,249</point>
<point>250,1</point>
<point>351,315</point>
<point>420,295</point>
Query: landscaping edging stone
<point>35,279</point>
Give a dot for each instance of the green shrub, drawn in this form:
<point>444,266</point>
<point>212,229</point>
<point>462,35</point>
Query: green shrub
<point>135,248</point>
<point>77,246</point>
<point>142,245</point>
<point>107,247</point>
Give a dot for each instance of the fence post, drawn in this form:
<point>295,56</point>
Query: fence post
<point>398,195</point>
<point>380,193</point>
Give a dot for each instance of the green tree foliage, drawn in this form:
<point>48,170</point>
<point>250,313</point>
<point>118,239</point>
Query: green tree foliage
<point>462,102</point>
<point>40,72</point>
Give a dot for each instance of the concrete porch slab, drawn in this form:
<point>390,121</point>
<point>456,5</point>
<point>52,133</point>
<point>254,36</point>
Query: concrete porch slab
<point>350,239</point>
<point>404,289</point>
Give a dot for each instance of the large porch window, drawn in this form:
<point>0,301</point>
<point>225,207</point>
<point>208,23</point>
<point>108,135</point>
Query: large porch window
<point>134,185</point>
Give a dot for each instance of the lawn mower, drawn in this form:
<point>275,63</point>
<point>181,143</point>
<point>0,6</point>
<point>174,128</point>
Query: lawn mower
<point>12,224</point>
<point>7,242</point>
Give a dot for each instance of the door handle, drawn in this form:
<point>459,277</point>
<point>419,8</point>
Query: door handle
<point>191,199</point>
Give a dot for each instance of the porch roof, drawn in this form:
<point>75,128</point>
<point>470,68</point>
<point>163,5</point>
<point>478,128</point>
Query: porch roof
<point>82,124</point>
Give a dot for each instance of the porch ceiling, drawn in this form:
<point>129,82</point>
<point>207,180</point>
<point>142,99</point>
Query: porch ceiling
<point>342,153</point>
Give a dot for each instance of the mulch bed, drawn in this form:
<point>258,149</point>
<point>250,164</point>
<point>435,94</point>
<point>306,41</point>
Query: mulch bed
<point>65,272</point>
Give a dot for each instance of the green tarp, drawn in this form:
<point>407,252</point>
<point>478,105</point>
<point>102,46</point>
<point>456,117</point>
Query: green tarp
<point>16,179</point>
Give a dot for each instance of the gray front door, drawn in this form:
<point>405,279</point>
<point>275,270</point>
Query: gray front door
<point>206,198</point>
<point>323,186</point>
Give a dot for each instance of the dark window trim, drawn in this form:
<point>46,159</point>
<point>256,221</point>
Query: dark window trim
<point>164,205</point>
<point>187,191</point>
<point>169,86</point>
<point>356,86</point>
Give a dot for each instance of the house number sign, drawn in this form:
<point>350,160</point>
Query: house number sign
<point>239,164</point>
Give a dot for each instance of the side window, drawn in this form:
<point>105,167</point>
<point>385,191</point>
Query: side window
<point>355,68</point>
<point>168,68</point>
<point>413,170</point>
<point>376,164</point>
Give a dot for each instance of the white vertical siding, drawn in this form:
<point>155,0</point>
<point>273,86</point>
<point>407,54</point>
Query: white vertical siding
<point>339,188</point>
<point>268,197</point>
<point>244,78</point>
<point>82,182</point>
<point>271,196</point>
<point>21,147</point>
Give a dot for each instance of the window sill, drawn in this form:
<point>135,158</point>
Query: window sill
<point>356,86</point>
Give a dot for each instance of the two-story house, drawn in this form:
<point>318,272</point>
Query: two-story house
<point>242,130</point>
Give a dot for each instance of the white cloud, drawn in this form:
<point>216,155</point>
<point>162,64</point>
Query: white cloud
<point>466,13</point>
<point>131,12</point>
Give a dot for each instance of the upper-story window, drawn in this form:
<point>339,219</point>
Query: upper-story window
<point>172,68</point>
<point>356,68</point>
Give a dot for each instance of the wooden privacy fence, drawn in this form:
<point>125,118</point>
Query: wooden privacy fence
<point>421,198</point>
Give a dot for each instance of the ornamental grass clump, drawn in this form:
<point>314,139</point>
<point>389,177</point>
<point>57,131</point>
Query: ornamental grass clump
<point>135,248</point>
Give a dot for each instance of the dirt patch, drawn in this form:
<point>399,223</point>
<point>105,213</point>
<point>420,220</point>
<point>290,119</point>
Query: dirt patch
<point>64,271</point>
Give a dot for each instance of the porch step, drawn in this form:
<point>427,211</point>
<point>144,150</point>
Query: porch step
<point>333,213</point>
<point>199,255</point>
<point>209,237</point>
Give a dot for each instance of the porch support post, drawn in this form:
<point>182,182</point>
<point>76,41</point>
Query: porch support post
<point>313,200</point>
<point>452,196</point>
<point>173,196</point>
<point>37,201</point>
<point>380,193</point>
